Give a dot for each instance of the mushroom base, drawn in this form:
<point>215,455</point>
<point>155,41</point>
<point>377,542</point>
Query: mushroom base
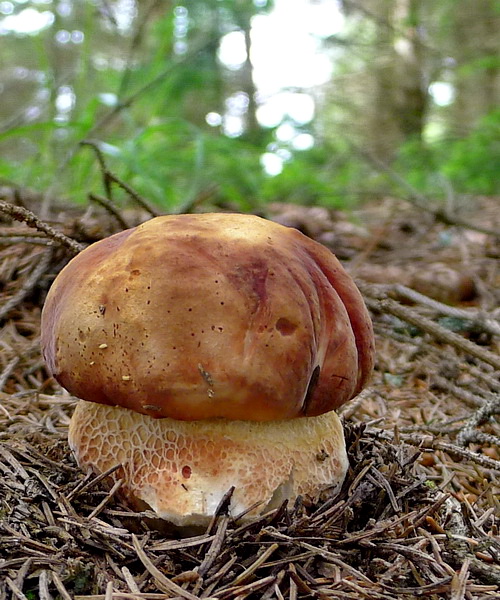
<point>182,469</point>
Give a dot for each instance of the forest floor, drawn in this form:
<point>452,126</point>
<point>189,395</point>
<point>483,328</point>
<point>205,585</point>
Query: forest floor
<point>418,516</point>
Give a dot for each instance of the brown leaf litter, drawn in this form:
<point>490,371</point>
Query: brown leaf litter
<point>418,516</point>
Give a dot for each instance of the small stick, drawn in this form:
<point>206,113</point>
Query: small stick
<point>26,216</point>
<point>21,239</point>
<point>254,566</point>
<point>486,322</point>
<point>469,431</point>
<point>4,376</point>
<point>462,394</point>
<point>132,584</point>
<point>28,284</point>
<point>347,410</point>
<point>16,592</point>
<point>43,585</point>
<point>109,177</point>
<point>386,305</point>
<point>419,200</point>
<point>161,579</point>
<point>110,208</point>
<point>215,547</point>
<point>222,509</point>
<point>85,484</point>
<point>108,497</point>
<point>109,591</point>
<point>429,443</point>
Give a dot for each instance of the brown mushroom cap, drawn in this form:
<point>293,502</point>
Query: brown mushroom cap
<point>201,316</point>
<point>194,341</point>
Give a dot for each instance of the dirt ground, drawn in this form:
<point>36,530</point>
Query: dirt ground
<point>418,516</point>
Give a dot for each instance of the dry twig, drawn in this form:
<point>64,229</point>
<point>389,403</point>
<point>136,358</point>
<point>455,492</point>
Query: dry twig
<point>377,300</point>
<point>109,178</point>
<point>26,216</point>
<point>469,432</point>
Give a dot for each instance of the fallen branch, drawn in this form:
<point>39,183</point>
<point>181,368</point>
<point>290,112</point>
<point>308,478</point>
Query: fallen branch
<point>111,209</point>
<point>431,443</point>
<point>26,216</point>
<point>376,299</point>
<point>469,432</point>
<point>418,199</point>
<point>486,322</point>
<point>110,178</point>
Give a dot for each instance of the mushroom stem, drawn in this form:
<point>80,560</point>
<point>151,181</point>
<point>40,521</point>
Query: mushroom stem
<point>182,469</point>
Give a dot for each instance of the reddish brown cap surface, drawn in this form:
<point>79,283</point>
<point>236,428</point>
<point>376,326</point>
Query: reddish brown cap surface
<point>215,315</point>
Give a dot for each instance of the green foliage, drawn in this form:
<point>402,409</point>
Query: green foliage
<point>469,165</point>
<point>324,175</point>
<point>145,103</point>
<point>174,162</point>
<point>418,163</point>
<point>486,62</point>
<point>473,163</point>
<point>158,141</point>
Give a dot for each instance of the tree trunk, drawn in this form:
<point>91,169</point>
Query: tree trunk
<point>475,47</point>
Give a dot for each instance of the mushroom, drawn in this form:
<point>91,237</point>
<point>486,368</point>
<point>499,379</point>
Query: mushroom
<point>209,351</point>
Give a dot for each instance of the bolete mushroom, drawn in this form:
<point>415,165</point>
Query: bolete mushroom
<point>209,351</point>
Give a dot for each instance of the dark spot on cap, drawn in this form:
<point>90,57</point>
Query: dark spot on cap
<point>285,327</point>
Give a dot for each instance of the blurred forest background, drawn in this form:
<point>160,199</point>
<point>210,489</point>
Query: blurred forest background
<point>235,103</point>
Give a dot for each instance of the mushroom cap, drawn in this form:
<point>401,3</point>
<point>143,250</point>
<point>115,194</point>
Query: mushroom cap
<point>202,316</point>
<point>183,469</point>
